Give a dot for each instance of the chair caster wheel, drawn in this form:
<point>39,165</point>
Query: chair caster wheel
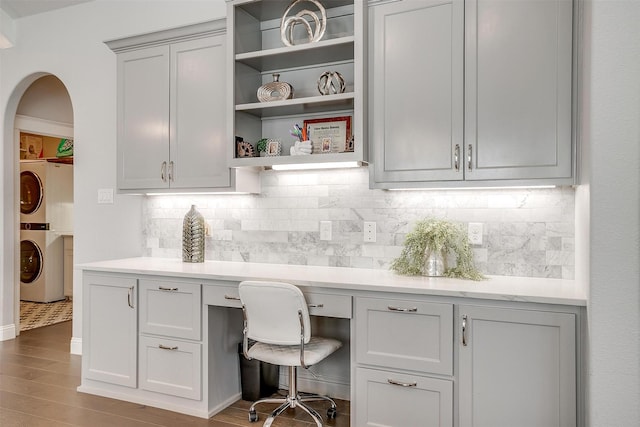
<point>253,417</point>
<point>331,413</point>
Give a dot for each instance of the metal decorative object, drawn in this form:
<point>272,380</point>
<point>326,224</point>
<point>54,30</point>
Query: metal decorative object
<point>288,23</point>
<point>275,90</point>
<point>193,236</point>
<point>331,82</point>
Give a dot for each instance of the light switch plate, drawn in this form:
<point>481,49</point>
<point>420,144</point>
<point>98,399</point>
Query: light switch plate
<point>325,230</point>
<point>105,196</point>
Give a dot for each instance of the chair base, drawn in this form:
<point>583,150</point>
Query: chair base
<point>294,399</point>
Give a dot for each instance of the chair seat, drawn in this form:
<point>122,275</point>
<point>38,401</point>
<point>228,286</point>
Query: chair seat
<point>317,349</point>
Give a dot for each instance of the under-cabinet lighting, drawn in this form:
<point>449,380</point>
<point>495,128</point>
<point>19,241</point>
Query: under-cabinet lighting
<point>515,187</point>
<point>230,193</point>
<point>328,165</point>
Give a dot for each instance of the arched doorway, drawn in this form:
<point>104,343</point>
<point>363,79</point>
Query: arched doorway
<point>38,109</point>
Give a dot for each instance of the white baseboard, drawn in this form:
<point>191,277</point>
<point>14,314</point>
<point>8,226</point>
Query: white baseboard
<point>76,346</point>
<point>7,332</point>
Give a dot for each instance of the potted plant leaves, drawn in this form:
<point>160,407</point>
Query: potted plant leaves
<point>261,146</point>
<point>427,247</point>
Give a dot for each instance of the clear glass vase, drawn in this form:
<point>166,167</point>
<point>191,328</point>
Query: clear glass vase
<point>435,263</point>
<point>193,236</point>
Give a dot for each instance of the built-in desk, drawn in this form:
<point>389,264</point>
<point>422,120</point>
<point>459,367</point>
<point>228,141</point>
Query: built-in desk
<point>164,333</point>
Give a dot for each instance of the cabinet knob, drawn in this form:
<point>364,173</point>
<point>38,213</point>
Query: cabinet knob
<point>171,171</point>
<point>163,172</point>
<point>130,297</point>
<point>469,156</point>
<point>162,288</point>
<point>232,298</point>
<point>315,305</point>
<point>456,157</point>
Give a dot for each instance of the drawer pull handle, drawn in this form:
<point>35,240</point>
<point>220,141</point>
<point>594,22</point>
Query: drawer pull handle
<point>464,330</point>
<point>164,347</point>
<point>232,298</point>
<point>162,288</point>
<point>130,297</point>
<point>401,384</point>
<point>316,305</point>
<point>405,310</point>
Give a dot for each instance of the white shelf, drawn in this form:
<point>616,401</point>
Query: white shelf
<point>324,51</point>
<point>298,106</point>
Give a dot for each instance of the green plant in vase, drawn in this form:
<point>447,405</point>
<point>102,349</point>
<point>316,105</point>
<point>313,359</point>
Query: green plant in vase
<point>433,239</point>
<point>261,146</point>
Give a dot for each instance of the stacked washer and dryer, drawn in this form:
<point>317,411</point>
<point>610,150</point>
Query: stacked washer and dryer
<point>46,213</point>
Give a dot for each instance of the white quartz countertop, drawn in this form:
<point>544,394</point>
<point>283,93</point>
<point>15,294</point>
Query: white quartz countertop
<point>504,288</point>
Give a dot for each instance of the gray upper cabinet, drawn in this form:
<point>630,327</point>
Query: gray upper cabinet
<point>518,59</point>
<point>416,91</point>
<point>172,112</point>
<point>471,93</point>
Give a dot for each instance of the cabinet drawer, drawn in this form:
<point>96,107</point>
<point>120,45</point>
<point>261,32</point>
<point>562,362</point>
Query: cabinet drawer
<point>224,294</point>
<point>170,308</point>
<point>405,334</point>
<point>320,304</point>
<point>170,367</point>
<point>418,401</point>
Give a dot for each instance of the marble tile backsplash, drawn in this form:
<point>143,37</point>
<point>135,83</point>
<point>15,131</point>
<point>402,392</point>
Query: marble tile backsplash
<point>526,232</point>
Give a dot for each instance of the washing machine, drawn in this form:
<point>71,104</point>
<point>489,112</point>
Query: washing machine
<point>46,212</point>
<point>41,266</point>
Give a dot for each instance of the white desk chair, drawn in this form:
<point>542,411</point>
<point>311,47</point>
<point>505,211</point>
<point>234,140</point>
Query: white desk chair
<point>276,317</point>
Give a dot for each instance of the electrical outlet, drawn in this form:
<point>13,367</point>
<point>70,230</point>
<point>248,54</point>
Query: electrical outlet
<point>369,231</point>
<point>325,230</point>
<point>105,196</point>
<point>475,233</point>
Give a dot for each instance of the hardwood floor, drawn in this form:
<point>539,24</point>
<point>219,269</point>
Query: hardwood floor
<point>38,380</point>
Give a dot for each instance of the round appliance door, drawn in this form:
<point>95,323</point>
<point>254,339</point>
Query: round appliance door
<point>31,261</point>
<point>31,192</point>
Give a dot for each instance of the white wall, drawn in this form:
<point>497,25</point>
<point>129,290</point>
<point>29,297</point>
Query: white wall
<point>48,99</point>
<point>68,43</point>
<point>613,136</point>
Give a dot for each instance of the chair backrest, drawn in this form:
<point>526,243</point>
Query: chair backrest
<point>272,312</point>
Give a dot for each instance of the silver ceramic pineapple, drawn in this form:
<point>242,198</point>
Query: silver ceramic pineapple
<point>193,236</point>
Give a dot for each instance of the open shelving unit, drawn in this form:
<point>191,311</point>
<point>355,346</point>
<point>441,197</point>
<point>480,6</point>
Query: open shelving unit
<point>256,51</point>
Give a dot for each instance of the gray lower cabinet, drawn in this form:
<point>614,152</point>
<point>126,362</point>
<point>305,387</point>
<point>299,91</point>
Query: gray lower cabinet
<point>406,400</point>
<point>470,93</point>
<point>516,368</point>
<point>170,347</point>
<point>404,363</point>
<point>110,329</point>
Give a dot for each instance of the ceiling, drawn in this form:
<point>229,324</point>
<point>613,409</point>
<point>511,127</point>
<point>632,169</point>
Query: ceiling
<point>21,8</point>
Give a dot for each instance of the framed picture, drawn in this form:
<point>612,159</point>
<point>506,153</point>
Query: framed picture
<point>329,135</point>
<point>273,147</point>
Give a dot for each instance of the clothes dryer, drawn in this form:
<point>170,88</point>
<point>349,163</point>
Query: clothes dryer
<point>41,266</point>
<point>46,195</point>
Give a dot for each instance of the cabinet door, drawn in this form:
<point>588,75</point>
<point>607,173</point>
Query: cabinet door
<point>518,89</point>
<point>109,344</point>
<point>170,308</point>
<point>517,368</point>
<point>393,399</point>
<point>198,114</point>
<point>143,118</point>
<point>405,334</point>
<point>416,91</point>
